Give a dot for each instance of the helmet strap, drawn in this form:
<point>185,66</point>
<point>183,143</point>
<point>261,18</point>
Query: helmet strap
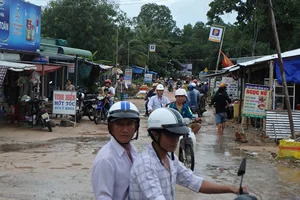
<point>157,141</point>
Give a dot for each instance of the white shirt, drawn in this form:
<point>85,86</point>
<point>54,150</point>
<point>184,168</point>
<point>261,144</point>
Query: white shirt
<point>111,172</point>
<point>155,102</point>
<point>120,84</point>
<point>150,179</point>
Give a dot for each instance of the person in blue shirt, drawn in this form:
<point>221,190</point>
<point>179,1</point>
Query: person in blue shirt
<point>181,106</point>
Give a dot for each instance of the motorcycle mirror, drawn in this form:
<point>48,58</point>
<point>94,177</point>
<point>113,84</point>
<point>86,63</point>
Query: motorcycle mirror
<point>242,169</point>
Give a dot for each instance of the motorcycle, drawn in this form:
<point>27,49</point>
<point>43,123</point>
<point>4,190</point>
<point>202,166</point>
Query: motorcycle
<point>39,115</point>
<point>101,109</point>
<point>186,148</point>
<point>242,194</point>
<point>202,103</point>
<point>79,105</point>
<point>89,106</point>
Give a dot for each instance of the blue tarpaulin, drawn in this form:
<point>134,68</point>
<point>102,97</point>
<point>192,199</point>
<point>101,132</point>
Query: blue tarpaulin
<point>151,72</point>
<point>136,69</point>
<point>291,69</point>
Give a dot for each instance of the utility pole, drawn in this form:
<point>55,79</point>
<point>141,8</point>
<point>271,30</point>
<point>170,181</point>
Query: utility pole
<point>286,93</point>
<point>221,44</point>
<point>117,50</point>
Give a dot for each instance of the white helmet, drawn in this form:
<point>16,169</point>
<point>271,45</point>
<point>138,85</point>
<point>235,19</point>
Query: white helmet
<point>180,92</point>
<point>193,84</point>
<point>123,109</point>
<point>160,87</point>
<point>167,119</point>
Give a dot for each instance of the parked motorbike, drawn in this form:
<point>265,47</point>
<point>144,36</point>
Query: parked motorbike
<point>202,103</point>
<point>79,106</point>
<point>89,106</point>
<point>101,109</point>
<point>186,148</point>
<point>39,115</point>
<point>242,194</point>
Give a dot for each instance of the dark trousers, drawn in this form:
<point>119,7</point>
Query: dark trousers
<point>146,107</point>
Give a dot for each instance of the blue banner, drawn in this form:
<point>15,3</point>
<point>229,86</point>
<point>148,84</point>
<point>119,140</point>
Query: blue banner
<point>20,26</point>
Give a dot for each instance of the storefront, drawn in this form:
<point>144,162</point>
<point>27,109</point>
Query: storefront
<point>16,80</point>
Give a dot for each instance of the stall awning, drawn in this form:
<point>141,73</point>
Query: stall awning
<point>136,69</point>
<point>105,66</point>
<point>17,67</point>
<point>152,72</point>
<point>47,68</point>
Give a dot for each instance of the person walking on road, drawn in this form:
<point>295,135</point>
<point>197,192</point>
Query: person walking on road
<point>121,87</point>
<point>159,100</point>
<point>157,170</point>
<point>111,167</point>
<point>221,102</point>
<point>148,96</point>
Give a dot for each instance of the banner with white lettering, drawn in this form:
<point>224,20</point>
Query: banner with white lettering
<point>64,102</point>
<point>256,100</point>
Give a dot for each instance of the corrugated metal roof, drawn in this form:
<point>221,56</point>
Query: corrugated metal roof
<point>18,67</point>
<point>286,54</point>
<point>278,125</point>
<point>232,68</point>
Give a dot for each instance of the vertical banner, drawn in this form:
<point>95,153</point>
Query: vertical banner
<point>215,34</point>
<point>64,102</point>
<point>256,100</point>
<point>152,47</point>
<point>71,68</point>
<point>128,76</point>
<point>148,78</point>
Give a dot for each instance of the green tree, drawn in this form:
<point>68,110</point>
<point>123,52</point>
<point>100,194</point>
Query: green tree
<point>85,24</point>
<point>156,15</point>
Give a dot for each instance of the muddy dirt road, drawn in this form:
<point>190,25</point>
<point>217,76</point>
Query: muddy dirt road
<point>36,164</point>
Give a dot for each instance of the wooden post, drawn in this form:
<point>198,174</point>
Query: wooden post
<point>241,96</point>
<point>281,67</point>
<point>43,80</point>
<point>271,80</point>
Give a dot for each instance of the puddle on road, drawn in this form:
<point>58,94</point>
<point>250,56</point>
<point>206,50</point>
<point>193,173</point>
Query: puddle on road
<point>55,145</point>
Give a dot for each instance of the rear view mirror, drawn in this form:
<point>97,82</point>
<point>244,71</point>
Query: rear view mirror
<point>242,169</point>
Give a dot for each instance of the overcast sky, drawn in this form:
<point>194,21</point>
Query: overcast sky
<point>183,11</point>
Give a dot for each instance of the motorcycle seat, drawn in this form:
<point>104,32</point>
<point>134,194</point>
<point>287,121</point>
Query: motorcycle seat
<point>89,100</point>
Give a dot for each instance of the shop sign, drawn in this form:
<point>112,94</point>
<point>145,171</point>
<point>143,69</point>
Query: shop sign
<point>20,26</point>
<point>71,68</point>
<point>148,78</point>
<point>10,56</point>
<point>128,76</point>
<point>232,86</point>
<point>64,102</point>
<point>256,100</point>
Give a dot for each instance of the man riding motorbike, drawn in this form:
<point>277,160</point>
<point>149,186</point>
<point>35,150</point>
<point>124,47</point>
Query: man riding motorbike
<point>157,170</point>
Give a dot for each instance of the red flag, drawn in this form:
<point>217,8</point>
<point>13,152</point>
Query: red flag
<point>226,62</point>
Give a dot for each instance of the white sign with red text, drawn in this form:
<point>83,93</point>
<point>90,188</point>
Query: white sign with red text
<point>64,102</point>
